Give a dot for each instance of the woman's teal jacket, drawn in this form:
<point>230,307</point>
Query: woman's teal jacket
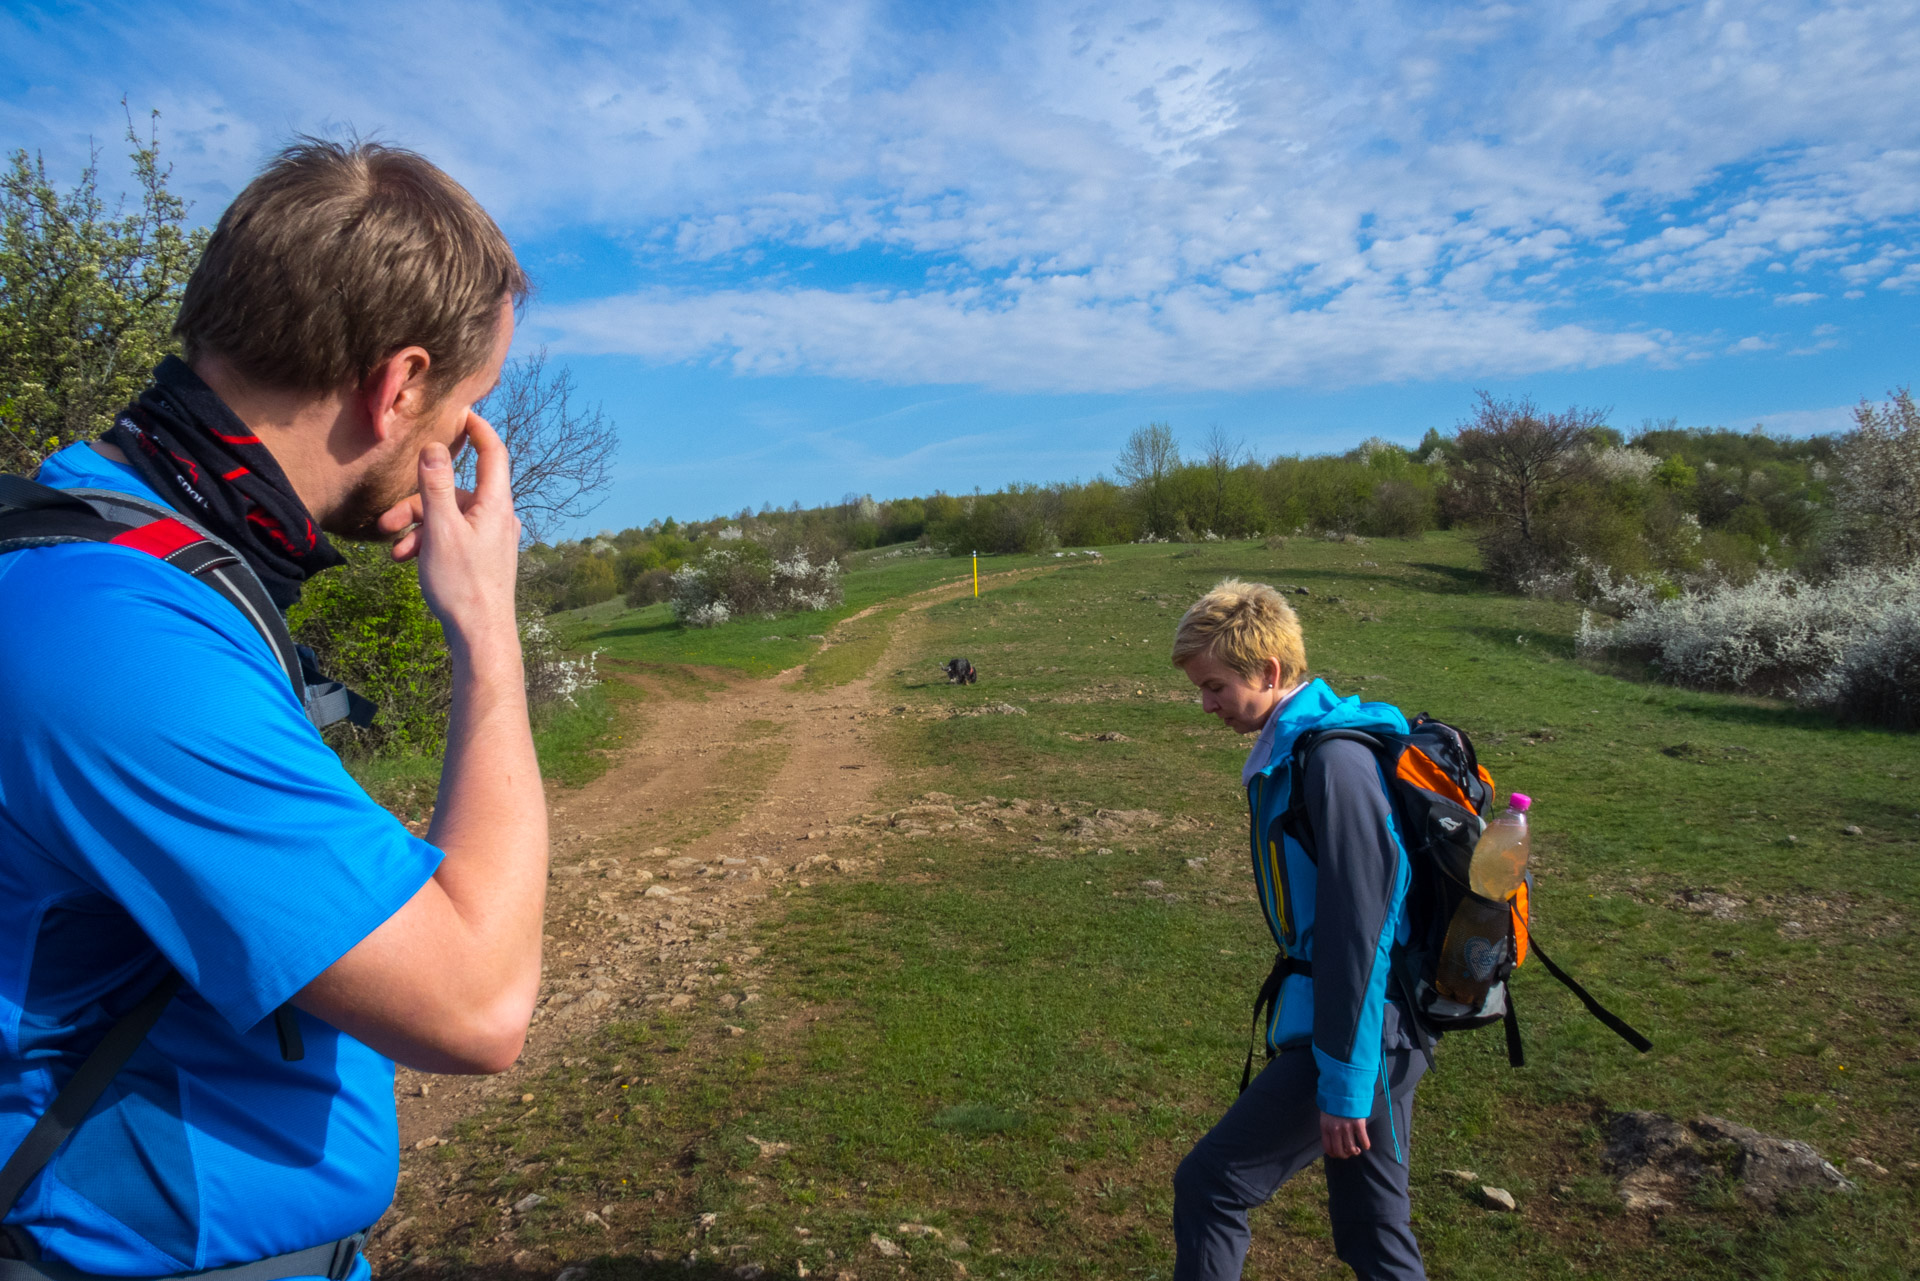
<point>1341,908</point>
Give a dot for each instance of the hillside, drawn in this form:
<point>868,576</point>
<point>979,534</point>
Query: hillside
<point>980,976</point>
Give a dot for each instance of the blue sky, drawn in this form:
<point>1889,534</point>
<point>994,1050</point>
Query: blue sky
<point>800,250</point>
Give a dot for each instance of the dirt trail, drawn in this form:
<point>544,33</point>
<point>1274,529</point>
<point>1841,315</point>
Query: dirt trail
<point>736,789</point>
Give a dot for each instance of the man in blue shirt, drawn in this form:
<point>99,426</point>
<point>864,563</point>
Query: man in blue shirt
<point>166,805</point>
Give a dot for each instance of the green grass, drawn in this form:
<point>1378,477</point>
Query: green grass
<point>762,646</point>
<point>573,743</point>
<point>1014,1040</point>
<point>854,652</point>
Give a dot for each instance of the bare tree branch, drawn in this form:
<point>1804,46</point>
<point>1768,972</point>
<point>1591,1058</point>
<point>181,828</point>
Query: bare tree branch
<point>1147,463</point>
<point>562,452</point>
<point>1514,457</point>
<point>1224,454</point>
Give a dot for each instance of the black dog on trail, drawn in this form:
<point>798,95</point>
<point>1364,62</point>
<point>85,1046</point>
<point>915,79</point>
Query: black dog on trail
<point>960,672</point>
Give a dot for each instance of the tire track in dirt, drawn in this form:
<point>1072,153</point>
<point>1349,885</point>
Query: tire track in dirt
<point>736,790</point>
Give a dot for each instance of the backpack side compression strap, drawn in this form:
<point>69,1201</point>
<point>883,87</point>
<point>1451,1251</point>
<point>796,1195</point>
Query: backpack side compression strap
<point>1599,1011</point>
<point>76,1099</point>
<point>1283,966</point>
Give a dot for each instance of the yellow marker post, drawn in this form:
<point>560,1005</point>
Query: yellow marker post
<point>976,575</point>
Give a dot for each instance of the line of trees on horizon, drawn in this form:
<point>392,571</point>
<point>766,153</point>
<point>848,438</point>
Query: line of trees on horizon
<point>1540,491</point>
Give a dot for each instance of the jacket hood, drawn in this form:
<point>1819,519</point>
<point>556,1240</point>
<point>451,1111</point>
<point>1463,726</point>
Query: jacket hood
<point>1318,707</point>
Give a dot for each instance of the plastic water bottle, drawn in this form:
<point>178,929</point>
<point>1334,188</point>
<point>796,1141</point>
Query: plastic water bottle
<point>1476,943</point>
<point>1500,857</point>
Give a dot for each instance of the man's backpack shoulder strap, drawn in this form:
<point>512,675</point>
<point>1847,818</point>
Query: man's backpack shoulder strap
<point>36,515</point>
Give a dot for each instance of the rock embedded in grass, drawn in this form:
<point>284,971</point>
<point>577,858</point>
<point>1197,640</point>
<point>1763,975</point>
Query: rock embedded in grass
<point>1655,1156</point>
<point>1497,1199</point>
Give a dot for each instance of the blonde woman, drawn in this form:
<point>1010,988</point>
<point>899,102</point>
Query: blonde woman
<point>1334,889</point>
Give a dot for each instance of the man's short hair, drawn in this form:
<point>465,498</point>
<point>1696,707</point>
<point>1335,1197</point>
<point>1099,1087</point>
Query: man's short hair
<point>1243,625</point>
<point>339,255</point>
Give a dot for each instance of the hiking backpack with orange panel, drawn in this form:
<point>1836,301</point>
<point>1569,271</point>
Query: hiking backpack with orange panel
<point>1442,797</point>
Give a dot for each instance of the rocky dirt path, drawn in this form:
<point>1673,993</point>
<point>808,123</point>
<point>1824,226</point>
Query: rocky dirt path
<point>735,790</point>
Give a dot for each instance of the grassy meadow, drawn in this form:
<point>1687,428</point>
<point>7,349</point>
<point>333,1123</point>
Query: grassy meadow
<point>755,645</point>
<point>1010,1034</point>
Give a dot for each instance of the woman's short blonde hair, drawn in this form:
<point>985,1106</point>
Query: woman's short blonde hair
<point>1243,625</point>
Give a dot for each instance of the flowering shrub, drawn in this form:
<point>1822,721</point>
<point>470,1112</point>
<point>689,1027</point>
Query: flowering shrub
<point>552,677</point>
<point>732,582</point>
<point>1614,462</point>
<point>1877,677</point>
<point>1878,495</point>
<point>1850,644</point>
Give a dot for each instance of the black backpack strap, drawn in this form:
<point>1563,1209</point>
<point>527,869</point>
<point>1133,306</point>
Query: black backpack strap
<point>332,1259</point>
<point>1397,964</point>
<point>77,1097</point>
<point>286,1025</point>
<point>30,495</point>
<point>1599,1011</point>
<point>1516,1052</point>
<point>328,701</point>
<point>1263,1004</point>
<point>36,515</point>
<point>1293,820</point>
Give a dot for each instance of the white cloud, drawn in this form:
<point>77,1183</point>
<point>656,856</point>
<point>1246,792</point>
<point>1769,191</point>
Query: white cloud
<point>1060,196</point>
<point>1057,336</point>
<point>1907,278</point>
<point>1808,422</point>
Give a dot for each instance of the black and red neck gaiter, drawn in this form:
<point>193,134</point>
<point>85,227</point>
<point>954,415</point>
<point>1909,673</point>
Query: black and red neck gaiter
<point>193,450</point>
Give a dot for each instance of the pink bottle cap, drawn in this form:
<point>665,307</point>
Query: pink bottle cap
<point>1520,801</point>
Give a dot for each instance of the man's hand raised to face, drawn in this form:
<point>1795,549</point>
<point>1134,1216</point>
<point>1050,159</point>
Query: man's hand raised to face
<point>467,542</point>
<point>447,983</point>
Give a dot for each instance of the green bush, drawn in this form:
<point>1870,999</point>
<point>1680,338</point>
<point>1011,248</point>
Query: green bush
<point>590,580</point>
<point>369,626</point>
<point>650,588</point>
<point>88,292</point>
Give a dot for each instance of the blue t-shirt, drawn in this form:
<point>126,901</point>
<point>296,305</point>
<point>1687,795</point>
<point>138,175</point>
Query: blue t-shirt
<point>164,801</point>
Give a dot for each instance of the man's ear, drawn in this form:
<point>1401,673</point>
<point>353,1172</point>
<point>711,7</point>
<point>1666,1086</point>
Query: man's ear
<point>395,392</point>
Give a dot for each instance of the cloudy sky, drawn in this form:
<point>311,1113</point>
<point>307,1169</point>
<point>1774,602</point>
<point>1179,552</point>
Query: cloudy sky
<point>803,249</point>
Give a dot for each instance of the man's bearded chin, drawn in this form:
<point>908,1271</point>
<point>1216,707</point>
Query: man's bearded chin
<point>357,516</point>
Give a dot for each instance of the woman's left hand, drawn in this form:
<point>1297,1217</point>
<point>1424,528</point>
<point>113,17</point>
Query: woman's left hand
<point>1342,1136</point>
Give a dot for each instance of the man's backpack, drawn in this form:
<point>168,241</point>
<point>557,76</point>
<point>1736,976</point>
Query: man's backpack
<point>1441,796</point>
<point>35,515</point>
